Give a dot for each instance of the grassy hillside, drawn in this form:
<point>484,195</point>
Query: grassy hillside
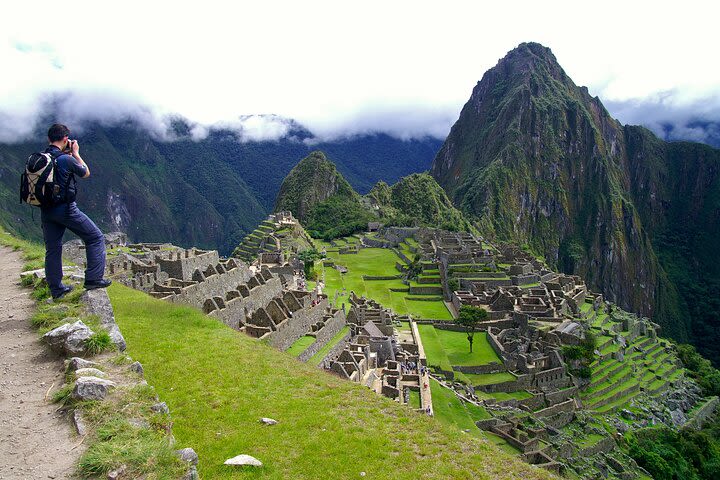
<point>219,382</point>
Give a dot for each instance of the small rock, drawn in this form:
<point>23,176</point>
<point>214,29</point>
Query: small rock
<point>68,338</point>
<point>76,363</point>
<point>188,455</point>
<point>268,421</point>
<point>90,372</point>
<point>362,474</point>
<point>191,474</point>
<point>117,473</point>
<point>79,423</point>
<point>139,423</point>
<point>244,460</point>
<point>160,408</point>
<point>137,368</point>
<point>91,388</point>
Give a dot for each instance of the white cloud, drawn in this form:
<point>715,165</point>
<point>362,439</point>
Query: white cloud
<point>402,67</point>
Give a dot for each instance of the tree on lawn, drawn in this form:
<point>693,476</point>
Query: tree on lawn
<point>469,318</point>
<point>308,258</point>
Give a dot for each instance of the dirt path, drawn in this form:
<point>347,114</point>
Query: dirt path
<point>35,442</point>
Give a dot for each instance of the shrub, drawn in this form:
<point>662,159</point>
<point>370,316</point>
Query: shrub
<point>572,352</point>
<point>98,342</point>
<point>62,395</point>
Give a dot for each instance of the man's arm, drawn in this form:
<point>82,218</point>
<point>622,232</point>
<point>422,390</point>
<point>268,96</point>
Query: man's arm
<point>76,154</point>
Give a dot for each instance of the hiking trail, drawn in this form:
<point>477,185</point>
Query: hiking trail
<point>36,441</point>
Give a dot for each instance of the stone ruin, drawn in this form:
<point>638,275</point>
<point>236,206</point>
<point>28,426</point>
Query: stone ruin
<point>375,355</point>
<point>251,299</point>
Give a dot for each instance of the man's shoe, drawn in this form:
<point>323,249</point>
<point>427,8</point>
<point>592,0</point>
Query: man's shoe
<point>64,292</point>
<point>102,283</point>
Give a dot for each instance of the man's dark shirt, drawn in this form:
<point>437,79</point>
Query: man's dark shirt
<point>67,165</point>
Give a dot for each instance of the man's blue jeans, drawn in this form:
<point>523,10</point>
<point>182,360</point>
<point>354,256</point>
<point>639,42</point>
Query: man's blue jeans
<point>55,221</point>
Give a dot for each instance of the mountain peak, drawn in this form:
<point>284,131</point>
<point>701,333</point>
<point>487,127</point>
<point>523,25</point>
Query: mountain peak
<point>312,181</point>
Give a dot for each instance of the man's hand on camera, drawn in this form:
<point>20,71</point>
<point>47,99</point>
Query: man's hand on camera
<point>74,148</point>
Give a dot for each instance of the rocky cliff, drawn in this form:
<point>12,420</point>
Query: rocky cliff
<point>537,160</point>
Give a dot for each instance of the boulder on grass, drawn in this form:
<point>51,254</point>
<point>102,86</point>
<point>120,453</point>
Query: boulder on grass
<point>91,388</point>
<point>69,338</point>
<point>244,460</point>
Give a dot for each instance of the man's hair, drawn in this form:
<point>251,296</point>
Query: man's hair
<point>57,132</point>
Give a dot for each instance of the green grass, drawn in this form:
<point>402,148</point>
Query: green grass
<point>300,345</point>
<point>448,409</point>
<point>218,383</point>
<point>375,262</point>
<point>490,378</point>
<point>457,348</point>
<point>414,399</point>
<point>318,357</point>
<point>146,452</point>
<point>434,350</point>
<point>502,396</point>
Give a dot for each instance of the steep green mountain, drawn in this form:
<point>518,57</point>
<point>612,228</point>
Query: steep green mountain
<point>208,193</point>
<point>321,199</point>
<point>312,181</point>
<point>535,159</point>
<point>135,188</point>
<point>416,199</point>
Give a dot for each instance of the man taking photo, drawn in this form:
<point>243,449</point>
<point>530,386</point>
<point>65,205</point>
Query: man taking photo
<point>64,214</point>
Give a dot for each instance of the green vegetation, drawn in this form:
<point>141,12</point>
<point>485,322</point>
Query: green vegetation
<point>469,319</point>
<point>308,258</point>
<point>490,378</point>
<point>337,217</point>
<point>98,342</point>
<point>321,199</point>
<point>445,349</point>
<point>375,262</point>
<point>351,428</point>
<point>146,452</point>
<point>417,200</point>
<point>668,454</point>
<point>300,345</point>
<point>700,369</point>
<point>322,353</point>
<point>585,352</point>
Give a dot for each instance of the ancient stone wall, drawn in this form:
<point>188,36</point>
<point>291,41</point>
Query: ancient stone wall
<point>703,413</point>
<point>213,286</point>
<point>289,330</point>
<point>183,263</point>
<point>493,367</point>
<point>332,326</point>
<point>335,351</point>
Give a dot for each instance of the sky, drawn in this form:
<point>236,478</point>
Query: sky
<point>342,68</point>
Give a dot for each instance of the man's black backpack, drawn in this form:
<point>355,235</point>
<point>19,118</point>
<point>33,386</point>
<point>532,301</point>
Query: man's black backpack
<point>38,185</point>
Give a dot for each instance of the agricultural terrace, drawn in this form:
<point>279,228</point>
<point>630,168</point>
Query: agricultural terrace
<point>386,288</point>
